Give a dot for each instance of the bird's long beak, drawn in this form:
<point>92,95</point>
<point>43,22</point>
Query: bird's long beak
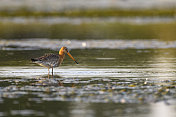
<point>71,57</point>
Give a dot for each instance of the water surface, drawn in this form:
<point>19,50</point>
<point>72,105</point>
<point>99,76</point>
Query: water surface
<point>107,82</point>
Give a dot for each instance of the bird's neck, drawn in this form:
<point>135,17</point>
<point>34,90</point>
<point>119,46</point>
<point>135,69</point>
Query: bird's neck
<point>61,57</point>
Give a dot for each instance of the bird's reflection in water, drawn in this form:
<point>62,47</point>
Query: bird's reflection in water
<point>51,81</point>
<point>55,81</point>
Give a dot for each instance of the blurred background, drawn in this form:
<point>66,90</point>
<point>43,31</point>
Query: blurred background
<point>88,19</point>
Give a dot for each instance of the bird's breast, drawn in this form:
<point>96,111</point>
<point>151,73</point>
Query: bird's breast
<point>61,58</point>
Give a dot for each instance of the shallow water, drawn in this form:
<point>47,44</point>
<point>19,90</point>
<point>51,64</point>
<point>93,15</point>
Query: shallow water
<point>107,82</point>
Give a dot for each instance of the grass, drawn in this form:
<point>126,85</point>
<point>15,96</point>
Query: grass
<point>88,31</point>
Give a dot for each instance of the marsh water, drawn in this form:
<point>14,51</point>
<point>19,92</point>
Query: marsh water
<point>106,82</point>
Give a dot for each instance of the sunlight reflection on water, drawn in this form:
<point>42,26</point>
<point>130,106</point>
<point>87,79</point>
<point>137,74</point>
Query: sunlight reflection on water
<point>78,44</point>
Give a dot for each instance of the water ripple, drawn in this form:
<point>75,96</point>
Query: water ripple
<point>78,44</point>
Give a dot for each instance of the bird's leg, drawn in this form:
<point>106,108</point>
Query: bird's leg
<point>52,71</point>
<point>48,73</point>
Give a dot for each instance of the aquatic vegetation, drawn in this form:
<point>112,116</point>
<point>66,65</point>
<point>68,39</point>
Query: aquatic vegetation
<point>91,90</point>
<point>90,12</point>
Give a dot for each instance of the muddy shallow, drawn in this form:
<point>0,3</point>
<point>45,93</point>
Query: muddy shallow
<point>107,82</point>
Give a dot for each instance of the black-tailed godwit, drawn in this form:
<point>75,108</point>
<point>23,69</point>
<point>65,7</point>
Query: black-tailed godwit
<point>51,60</point>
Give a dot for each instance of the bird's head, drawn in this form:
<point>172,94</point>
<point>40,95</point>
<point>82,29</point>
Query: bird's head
<point>63,51</point>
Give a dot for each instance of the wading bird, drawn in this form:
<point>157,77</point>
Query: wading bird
<point>51,60</point>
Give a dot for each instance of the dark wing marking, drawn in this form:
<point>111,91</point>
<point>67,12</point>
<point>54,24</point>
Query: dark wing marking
<point>49,57</point>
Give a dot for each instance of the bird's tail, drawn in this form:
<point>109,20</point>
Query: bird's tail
<point>33,60</point>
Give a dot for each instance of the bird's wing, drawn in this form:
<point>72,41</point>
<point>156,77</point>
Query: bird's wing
<point>48,57</point>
